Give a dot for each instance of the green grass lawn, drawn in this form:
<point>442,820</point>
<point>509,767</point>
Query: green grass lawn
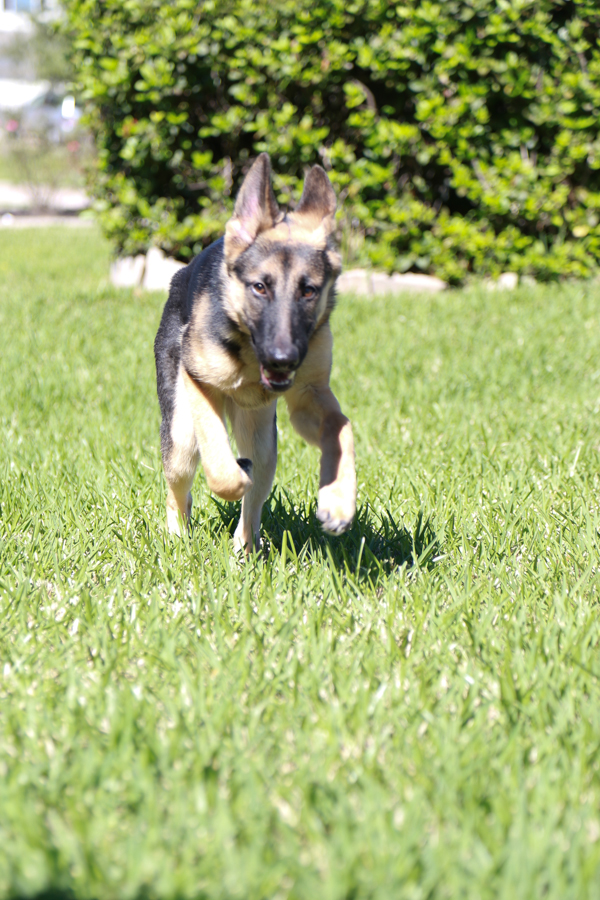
<point>409,711</point>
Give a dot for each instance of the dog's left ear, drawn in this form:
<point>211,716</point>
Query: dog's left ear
<point>317,203</point>
<point>255,208</point>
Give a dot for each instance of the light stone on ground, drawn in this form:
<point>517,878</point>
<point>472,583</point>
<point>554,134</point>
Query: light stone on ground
<point>128,271</point>
<point>363,282</point>
<point>508,281</point>
<point>354,281</point>
<point>159,270</point>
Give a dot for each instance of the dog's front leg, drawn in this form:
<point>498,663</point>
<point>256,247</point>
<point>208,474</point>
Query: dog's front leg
<point>227,477</point>
<point>255,433</point>
<point>316,415</point>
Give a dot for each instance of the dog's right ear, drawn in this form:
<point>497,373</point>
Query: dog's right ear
<point>255,209</point>
<point>317,203</point>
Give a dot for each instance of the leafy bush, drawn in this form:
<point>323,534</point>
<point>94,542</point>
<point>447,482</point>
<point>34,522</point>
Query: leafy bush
<point>461,136</point>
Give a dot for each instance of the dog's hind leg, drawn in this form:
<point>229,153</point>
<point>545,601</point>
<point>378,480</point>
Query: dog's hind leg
<point>180,457</point>
<point>227,477</point>
<point>255,432</point>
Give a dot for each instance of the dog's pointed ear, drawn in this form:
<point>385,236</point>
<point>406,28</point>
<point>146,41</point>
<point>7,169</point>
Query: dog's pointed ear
<point>255,208</point>
<point>318,201</point>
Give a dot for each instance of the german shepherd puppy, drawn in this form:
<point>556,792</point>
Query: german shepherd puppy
<point>246,321</point>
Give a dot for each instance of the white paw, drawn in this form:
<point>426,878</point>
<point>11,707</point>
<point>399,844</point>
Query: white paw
<point>336,508</point>
<point>244,542</point>
<point>175,522</point>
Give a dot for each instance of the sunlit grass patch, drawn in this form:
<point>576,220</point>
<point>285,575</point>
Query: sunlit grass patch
<point>411,710</point>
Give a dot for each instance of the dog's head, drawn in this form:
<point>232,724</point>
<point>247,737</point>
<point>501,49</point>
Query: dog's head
<point>284,268</point>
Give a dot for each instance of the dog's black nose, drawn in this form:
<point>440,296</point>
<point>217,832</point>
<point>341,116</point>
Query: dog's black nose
<point>282,357</point>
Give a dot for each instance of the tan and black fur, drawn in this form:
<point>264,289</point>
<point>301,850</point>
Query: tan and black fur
<point>248,320</point>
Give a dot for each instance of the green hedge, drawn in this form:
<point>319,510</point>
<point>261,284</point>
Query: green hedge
<point>462,136</point>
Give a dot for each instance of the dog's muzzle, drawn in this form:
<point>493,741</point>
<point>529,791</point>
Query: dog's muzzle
<point>278,370</point>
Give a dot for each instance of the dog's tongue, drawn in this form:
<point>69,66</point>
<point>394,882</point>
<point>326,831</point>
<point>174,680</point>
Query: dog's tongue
<point>278,377</point>
<point>269,377</point>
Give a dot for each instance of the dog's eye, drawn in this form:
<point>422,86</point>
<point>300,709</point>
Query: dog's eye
<point>308,292</point>
<point>259,288</point>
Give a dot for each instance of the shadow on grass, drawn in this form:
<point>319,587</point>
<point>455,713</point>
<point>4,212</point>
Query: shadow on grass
<point>374,546</point>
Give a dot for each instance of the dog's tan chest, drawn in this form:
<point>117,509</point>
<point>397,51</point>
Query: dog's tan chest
<point>250,396</point>
<point>209,364</point>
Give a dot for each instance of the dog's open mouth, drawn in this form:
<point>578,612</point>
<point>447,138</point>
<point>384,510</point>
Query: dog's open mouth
<point>277,381</point>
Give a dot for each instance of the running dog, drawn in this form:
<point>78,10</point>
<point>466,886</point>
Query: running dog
<point>246,321</point>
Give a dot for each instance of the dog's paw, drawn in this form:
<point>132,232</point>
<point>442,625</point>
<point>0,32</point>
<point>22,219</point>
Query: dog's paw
<point>177,521</point>
<point>336,509</point>
<point>245,543</point>
<point>232,483</point>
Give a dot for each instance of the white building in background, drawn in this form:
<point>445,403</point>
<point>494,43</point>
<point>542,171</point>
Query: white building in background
<point>16,15</point>
<point>19,87</point>
<point>27,6</point>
